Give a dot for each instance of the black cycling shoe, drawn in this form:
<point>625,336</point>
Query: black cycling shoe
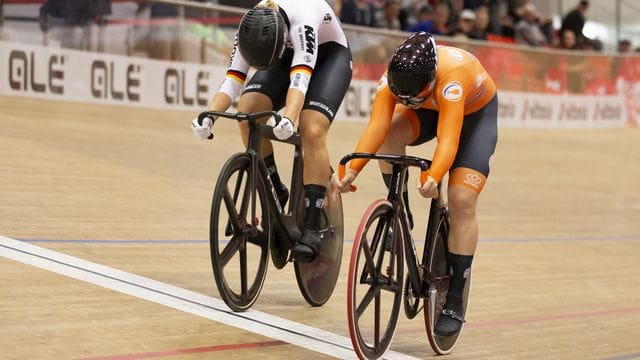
<point>283,194</point>
<point>308,247</point>
<point>451,319</point>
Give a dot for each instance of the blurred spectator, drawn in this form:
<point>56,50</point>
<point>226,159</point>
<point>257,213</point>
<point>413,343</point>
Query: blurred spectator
<point>473,4</point>
<point>481,24</point>
<point>575,21</point>
<point>391,15</point>
<point>165,36</point>
<point>440,25</point>
<point>592,45</point>
<point>527,30</point>
<point>238,3</point>
<point>410,11</point>
<point>424,22</point>
<point>624,46</point>
<point>358,12</point>
<point>336,5</point>
<point>68,21</point>
<point>465,24</point>
<point>567,40</point>
<point>500,23</point>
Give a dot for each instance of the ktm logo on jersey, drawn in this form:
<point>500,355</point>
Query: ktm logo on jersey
<point>310,38</point>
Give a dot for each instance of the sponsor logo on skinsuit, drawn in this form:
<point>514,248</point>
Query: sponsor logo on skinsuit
<point>452,91</point>
<point>474,180</point>
<point>321,106</point>
<point>310,38</point>
<point>455,54</point>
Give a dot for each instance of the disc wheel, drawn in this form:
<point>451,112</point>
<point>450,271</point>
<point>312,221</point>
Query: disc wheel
<point>239,233</point>
<point>438,279</point>
<point>374,292</point>
<point>317,279</point>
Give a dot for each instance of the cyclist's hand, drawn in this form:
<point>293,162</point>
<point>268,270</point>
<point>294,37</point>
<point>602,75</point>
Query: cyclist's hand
<point>344,184</point>
<point>202,130</point>
<point>283,130</point>
<point>429,189</point>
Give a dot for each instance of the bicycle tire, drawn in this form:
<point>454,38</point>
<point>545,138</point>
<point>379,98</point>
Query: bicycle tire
<point>239,260</point>
<point>371,342</point>
<point>438,279</point>
<point>317,279</point>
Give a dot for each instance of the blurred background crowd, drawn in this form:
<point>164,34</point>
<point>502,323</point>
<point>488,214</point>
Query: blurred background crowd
<point>511,21</point>
<point>507,21</point>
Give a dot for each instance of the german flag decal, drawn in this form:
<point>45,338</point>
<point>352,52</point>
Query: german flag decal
<point>237,76</point>
<point>302,69</point>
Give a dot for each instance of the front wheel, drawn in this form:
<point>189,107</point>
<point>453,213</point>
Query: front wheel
<point>374,291</point>
<point>239,233</point>
<point>438,279</point>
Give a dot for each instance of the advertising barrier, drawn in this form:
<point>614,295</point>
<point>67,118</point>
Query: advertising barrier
<point>98,78</point>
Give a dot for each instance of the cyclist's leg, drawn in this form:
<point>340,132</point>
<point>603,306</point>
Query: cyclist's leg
<point>329,84</point>
<point>409,127</point>
<point>265,91</point>
<point>314,127</point>
<point>466,180</point>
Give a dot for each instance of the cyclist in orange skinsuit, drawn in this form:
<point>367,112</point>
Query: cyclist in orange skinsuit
<point>438,91</point>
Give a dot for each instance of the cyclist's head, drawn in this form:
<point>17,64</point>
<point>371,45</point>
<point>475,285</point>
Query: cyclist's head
<point>262,35</point>
<point>412,70</point>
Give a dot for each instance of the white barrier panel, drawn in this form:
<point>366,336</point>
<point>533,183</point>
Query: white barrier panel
<point>70,75</point>
<point>531,110</point>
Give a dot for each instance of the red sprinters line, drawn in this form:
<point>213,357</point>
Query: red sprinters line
<point>206,349</point>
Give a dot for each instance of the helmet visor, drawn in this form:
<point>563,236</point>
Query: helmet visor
<point>419,99</point>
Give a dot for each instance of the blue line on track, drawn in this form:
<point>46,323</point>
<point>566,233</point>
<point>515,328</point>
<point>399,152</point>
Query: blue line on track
<point>496,240</point>
<point>624,357</point>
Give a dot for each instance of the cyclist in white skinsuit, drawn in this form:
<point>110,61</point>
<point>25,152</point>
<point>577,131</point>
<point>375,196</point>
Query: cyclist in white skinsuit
<point>303,64</point>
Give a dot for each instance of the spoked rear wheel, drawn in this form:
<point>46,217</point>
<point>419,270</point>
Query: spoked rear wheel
<point>317,279</point>
<point>239,233</point>
<point>374,290</point>
<point>438,273</point>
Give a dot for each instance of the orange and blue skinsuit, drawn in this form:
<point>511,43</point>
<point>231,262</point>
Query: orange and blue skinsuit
<point>462,87</point>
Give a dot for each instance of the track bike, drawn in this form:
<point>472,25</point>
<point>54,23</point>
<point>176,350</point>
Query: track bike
<point>382,244</point>
<point>248,223</point>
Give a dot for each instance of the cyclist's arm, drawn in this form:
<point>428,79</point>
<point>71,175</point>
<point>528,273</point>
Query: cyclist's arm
<point>378,127</point>
<point>304,39</point>
<point>450,119</point>
<point>233,81</point>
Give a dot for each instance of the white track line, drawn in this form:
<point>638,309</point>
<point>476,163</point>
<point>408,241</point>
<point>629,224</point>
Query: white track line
<point>184,300</point>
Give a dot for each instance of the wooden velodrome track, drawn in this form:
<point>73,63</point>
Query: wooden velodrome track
<point>126,192</point>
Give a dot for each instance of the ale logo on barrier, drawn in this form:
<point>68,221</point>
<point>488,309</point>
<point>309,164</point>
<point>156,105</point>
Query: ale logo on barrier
<point>178,90</point>
<point>358,99</point>
<point>23,70</point>
<point>104,76</point>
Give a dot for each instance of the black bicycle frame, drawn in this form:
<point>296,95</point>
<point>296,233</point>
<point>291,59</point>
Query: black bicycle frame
<point>400,171</point>
<point>286,219</point>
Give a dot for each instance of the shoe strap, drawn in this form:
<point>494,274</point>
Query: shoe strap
<point>452,314</point>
